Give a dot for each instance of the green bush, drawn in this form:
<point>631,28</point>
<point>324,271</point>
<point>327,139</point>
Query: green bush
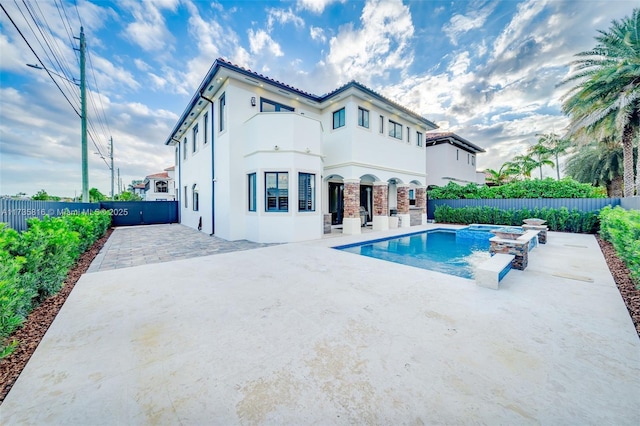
<point>34,263</point>
<point>545,188</point>
<point>562,219</point>
<point>622,229</point>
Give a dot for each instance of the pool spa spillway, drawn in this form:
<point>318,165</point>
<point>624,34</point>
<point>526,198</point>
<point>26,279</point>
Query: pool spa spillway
<point>453,252</point>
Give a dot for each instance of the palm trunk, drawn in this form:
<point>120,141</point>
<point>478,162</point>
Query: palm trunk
<point>627,160</point>
<point>557,166</point>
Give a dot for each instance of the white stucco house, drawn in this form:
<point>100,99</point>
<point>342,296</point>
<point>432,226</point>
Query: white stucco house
<point>257,159</point>
<point>160,186</point>
<point>451,158</point>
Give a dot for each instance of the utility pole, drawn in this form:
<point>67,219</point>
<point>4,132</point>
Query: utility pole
<point>119,180</point>
<point>83,103</point>
<point>113,195</point>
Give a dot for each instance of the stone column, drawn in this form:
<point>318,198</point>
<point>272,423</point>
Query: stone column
<point>380,206</point>
<point>403,206</point>
<point>351,222</point>
<point>421,202</point>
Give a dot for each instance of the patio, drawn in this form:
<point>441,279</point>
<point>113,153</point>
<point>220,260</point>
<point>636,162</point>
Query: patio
<point>301,334</point>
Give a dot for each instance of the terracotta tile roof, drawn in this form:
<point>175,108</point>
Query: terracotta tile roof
<point>163,175</point>
<point>139,185</point>
<point>170,169</point>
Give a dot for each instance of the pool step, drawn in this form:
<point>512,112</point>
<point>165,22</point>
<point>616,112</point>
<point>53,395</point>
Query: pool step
<point>489,273</point>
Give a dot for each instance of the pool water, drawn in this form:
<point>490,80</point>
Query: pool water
<point>446,251</point>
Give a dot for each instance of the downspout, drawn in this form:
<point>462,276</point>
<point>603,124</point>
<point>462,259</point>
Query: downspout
<point>179,178</point>
<point>213,156</point>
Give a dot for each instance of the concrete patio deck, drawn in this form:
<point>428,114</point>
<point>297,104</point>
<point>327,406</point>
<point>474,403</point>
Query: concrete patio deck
<point>304,334</point>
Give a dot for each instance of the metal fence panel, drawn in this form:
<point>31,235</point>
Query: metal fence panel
<point>630,203</point>
<point>15,213</point>
<point>142,212</point>
<point>582,204</point>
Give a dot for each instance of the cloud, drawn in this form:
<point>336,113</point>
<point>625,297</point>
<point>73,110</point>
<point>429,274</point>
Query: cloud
<point>283,17</point>
<point>148,30</point>
<point>315,6</point>
<point>380,44</point>
<point>260,39</point>
<point>317,34</point>
<point>475,18</point>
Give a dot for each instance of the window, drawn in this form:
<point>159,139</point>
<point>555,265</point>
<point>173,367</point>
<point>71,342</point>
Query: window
<point>338,118</point>
<point>184,149</point>
<point>408,135</point>
<point>382,124</point>
<point>457,154</point>
<point>271,106</point>
<point>395,129</point>
<point>306,192</point>
<point>196,197</point>
<point>468,158</point>
<point>473,160</point>
<point>363,117</point>
<point>277,191</point>
<point>195,138</point>
<point>412,197</point>
<point>251,191</point>
<point>223,111</point>
<point>205,128</point>
<point>161,186</point>
<point>419,139</point>
<point>186,202</point>
<point>177,154</point>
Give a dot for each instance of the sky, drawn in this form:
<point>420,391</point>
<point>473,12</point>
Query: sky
<point>487,70</point>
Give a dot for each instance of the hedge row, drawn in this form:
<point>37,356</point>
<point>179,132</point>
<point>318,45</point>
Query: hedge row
<point>34,263</point>
<point>536,188</point>
<point>622,229</point>
<point>561,219</point>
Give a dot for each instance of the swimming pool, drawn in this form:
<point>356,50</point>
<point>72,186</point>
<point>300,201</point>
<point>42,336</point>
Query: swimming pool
<point>441,250</point>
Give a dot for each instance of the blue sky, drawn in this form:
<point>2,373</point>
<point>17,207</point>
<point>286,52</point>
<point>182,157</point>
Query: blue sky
<point>487,70</point>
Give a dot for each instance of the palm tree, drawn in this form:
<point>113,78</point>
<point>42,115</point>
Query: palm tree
<point>556,146</point>
<point>500,176</point>
<point>599,164</point>
<point>608,88</point>
<point>540,153</point>
<point>524,164</point>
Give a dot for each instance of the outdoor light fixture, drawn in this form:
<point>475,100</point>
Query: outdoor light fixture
<point>276,147</point>
<point>253,101</point>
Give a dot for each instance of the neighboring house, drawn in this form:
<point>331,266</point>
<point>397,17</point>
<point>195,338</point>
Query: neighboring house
<point>451,158</point>
<point>257,159</point>
<point>138,189</point>
<point>160,186</point>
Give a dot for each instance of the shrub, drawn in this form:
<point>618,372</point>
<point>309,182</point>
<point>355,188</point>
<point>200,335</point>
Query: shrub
<point>34,263</point>
<point>622,229</point>
<point>561,219</point>
<point>545,188</point>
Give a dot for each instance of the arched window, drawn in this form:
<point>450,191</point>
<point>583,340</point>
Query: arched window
<point>196,197</point>
<point>161,186</point>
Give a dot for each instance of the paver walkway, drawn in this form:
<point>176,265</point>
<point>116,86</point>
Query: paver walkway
<point>146,244</point>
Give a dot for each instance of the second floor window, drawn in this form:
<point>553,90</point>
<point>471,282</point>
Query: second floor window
<point>419,140</point>
<point>195,138</point>
<point>184,149</point>
<point>363,117</point>
<point>251,190</point>
<point>271,106</point>
<point>161,186</point>
<point>338,118</point>
<point>205,128</point>
<point>395,130</point>
<point>223,112</point>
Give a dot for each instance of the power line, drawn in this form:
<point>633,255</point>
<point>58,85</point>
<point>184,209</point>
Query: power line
<point>39,60</point>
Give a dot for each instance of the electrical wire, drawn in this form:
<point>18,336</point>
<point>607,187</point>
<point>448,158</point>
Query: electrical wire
<point>39,60</point>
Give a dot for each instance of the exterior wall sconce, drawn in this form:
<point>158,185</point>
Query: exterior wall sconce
<point>276,147</point>
<point>253,101</point>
